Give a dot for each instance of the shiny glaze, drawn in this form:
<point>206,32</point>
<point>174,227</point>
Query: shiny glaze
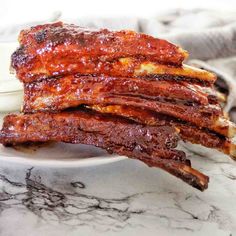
<point>150,89</point>
<point>71,91</point>
<point>127,67</point>
<point>59,48</point>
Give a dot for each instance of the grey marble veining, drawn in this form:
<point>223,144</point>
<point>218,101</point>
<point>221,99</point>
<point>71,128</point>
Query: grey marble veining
<point>122,198</point>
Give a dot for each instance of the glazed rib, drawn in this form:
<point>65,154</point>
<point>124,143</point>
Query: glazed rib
<point>44,47</point>
<point>180,170</point>
<point>187,131</point>
<point>152,145</point>
<point>122,67</point>
<point>146,88</point>
<point>71,91</point>
<point>84,120</point>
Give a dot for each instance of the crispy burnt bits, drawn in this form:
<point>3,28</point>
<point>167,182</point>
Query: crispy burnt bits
<point>126,92</point>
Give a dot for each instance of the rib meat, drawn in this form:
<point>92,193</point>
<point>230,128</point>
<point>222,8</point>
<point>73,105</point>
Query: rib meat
<point>152,145</point>
<point>156,89</point>
<point>71,91</point>
<point>187,131</point>
<point>49,48</point>
<point>75,121</point>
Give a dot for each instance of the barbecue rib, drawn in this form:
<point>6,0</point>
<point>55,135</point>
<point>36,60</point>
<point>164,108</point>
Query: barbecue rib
<point>76,46</point>
<point>156,89</point>
<point>126,92</point>
<point>152,145</point>
<point>187,131</point>
<point>71,91</point>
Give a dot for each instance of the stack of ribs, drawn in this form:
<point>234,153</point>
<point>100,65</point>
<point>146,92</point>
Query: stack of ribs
<point>126,92</point>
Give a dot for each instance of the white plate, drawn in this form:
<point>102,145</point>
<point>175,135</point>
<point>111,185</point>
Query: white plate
<point>54,155</point>
<point>58,155</point>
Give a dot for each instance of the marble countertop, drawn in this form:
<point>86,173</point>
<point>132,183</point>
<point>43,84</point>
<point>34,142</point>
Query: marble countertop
<point>122,198</point>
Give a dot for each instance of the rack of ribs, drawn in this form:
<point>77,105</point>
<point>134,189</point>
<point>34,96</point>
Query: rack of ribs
<point>125,92</point>
<point>152,145</point>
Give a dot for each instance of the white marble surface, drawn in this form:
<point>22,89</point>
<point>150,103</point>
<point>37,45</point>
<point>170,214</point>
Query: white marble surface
<point>122,198</point>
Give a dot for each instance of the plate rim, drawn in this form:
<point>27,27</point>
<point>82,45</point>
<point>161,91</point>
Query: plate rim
<point>85,162</point>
